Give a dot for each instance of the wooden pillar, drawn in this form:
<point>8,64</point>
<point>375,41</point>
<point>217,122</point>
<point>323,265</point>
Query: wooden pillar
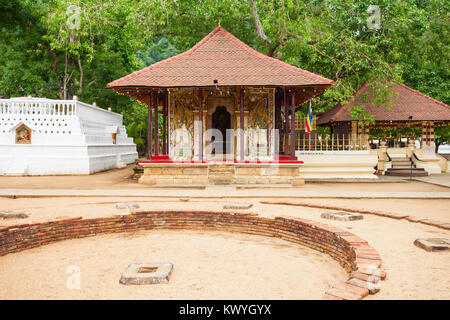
<point>241,127</point>
<point>278,124</point>
<point>165,106</point>
<point>156,102</point>
<point>200,121</point>
<point>292,144</point>
<point>164,151</point>
<point>286,123</point>
<point>149,126</point>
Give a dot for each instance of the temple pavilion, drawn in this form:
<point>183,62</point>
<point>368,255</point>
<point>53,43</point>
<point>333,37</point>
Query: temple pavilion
<point>410,108</point>
<point>228,112</point>
<point>397,155</point>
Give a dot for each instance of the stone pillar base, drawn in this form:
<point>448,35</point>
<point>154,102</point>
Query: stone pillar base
<point>221,173</point>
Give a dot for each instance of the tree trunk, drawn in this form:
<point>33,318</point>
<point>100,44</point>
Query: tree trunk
<point>81,73</point>
<point>258,26</point>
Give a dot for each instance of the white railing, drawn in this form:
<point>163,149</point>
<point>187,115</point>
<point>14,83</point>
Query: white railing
<point>64,108</point>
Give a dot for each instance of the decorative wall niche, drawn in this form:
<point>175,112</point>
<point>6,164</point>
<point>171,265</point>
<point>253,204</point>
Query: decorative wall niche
<point>23,135</point>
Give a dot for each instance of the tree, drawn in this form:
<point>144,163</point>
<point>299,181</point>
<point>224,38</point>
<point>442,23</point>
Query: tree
<point>441,135</point>
<point>57,57</point>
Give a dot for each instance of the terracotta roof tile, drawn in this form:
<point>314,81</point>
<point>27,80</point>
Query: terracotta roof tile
<point>223,57</point>
<point>407,102</point>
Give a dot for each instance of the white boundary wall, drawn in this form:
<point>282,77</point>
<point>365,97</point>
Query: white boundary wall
<point>337,164</point>
<point>67,137</point>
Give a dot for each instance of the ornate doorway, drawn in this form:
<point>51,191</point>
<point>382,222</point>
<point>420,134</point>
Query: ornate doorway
<point>221,120</point>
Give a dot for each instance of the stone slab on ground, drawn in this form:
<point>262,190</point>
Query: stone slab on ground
<point>5,215</point>
<point>236,205</point>
<point>121,205</point>
<point>342,216</point>
<point>433,244</point>
<point>147,273</point>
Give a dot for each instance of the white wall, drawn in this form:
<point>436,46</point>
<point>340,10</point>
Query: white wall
<point>338,165</point>
<point>67,137</point>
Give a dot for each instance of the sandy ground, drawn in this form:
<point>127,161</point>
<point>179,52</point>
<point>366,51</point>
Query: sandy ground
<point>206,265</point>
<point>412,272</point>
<point>121,179</point>
<point>219,265</point>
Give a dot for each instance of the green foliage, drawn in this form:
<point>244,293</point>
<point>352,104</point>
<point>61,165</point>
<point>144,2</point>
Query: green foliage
<point>441,135</point>
<point>394,133</point>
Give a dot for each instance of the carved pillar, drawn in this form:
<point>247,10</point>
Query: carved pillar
<point>427,135</point>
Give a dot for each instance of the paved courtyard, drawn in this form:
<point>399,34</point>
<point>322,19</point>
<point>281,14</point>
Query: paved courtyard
<point>219,264</point>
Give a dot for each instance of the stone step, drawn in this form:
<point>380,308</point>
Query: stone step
<point>406,169</point>
<point>406,172</point>
<point>402,161</point>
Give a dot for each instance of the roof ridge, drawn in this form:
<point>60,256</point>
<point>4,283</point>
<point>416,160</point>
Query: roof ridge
<point>312,75</point>
<point>241,44</point>
<point>157,64</point>
<point>424,95</point>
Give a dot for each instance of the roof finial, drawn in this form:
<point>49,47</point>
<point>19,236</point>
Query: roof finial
<point>219,23</point>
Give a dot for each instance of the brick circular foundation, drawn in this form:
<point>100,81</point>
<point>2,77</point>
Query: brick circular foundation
<point>354,254</point>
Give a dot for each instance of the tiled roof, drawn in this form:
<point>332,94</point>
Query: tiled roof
<point>407,102</point>
<point>223,57</point>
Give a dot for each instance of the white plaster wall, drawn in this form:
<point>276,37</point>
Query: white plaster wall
<point>68,137</point>
<point>429,162</point>
<point>338,165</point>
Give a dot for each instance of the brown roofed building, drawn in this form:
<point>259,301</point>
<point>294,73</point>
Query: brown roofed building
<point>222,84</point>
<point>223,57</point>
<point>410,108</point>
<point>406,102</point>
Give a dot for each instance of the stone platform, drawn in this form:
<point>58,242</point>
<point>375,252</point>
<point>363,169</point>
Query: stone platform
<point>222,173</point>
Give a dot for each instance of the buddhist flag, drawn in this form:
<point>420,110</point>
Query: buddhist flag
<point>309,118</point>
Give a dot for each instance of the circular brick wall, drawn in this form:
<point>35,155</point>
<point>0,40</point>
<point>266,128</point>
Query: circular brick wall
<point>353,253</point>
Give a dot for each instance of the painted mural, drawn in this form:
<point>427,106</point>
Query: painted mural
<point>260,121</point>
<point>259,137</point>
<point>181,105</point>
